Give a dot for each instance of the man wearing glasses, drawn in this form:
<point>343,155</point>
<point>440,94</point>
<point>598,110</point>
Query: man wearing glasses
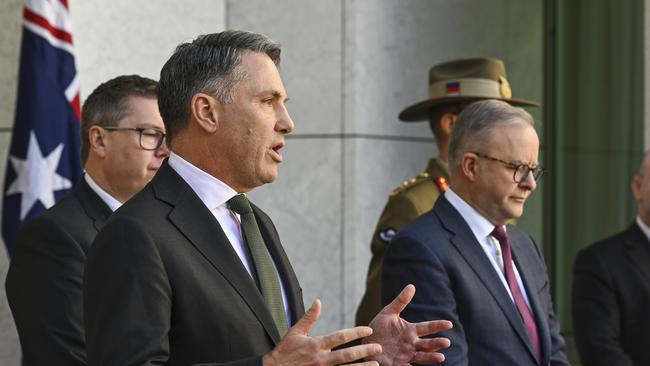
<point>452,86</point>
<point>122,146</point>
<point>469,266</point>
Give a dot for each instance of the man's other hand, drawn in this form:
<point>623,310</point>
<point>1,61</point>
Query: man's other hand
<point>400,340</point>
<point>297,348</point>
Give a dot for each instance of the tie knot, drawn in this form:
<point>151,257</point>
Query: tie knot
<point>500,234</point>
<point>240,204</point>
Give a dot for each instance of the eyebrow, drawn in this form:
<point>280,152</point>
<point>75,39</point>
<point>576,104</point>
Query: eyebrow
<point>147,125</point>
<point>518,162</point>
<point>274,93</point>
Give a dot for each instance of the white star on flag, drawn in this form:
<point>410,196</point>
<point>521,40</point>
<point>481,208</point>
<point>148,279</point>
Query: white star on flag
<point>36,176</point>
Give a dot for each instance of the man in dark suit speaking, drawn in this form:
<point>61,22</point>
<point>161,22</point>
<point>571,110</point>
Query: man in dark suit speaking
<point>122,147</point>
<point>487,277</point>
<point>611,290</point>
<point>189,271</point>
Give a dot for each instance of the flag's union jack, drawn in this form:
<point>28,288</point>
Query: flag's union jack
<point>44,161</point>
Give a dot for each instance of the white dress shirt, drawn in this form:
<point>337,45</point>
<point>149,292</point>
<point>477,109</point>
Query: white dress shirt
<point>482,228</point>
<point>110,201</point>
<point>215,194</point>
<point>644,228</point>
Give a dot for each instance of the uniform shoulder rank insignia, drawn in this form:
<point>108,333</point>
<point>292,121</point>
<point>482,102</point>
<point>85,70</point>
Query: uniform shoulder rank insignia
<point>441,182</point>
<point>408,183</point>
<point>387,235</point>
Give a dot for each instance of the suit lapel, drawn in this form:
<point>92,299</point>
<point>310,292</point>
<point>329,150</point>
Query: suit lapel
<point>525,266</point>
<point>198,225</point>
<point>637,249</point>
<point>92,204</point>
<point>470,249</point>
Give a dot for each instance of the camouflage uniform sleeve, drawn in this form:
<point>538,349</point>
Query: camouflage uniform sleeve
<point>398,212</point>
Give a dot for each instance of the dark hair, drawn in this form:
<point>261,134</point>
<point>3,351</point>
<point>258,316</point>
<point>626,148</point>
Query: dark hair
<point>436,113</point>
<point>210,64</point>
<point>473,128</point>
<point>107,104</point>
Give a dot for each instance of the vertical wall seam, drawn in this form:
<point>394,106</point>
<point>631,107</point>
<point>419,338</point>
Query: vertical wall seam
<point>226,15</point>
<point>343,169</point>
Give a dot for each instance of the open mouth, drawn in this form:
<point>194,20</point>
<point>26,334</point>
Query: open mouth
<point>275,152</point>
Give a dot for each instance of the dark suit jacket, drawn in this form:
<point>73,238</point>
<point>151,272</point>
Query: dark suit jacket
<point>45,278</point>
<point>611,300</point>
<point>164,285</point>
<point>455,280</point>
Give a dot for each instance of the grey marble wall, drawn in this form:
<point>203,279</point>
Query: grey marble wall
<point>349,67</point>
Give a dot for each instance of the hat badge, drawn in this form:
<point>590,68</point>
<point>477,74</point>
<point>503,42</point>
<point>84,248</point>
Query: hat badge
<point>504,88</point>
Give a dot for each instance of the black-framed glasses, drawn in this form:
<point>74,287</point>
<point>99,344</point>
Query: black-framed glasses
<point>521,171</point>
<point>150,138</point>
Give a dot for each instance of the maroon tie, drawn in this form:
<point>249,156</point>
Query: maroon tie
<point>526,315</point>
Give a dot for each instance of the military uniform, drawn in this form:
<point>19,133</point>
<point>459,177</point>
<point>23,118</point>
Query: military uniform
<point>408,201</point>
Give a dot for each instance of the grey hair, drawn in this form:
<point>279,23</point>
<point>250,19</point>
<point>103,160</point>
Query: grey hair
<point>210,64</point>
<point>473,128</point>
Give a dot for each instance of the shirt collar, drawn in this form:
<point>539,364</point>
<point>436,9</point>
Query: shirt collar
<point>210,190</point>
<point>644,228</point>
<point>109,200</point>
<point>480,226</point>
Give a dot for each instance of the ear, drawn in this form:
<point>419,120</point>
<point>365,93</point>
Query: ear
<point>468,166</point>
<point>97,140</point>
<point>205,110</point>
<point>447,123</point>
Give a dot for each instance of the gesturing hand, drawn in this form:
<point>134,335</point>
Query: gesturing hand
<point>297,348</point>
<point>400,340</point>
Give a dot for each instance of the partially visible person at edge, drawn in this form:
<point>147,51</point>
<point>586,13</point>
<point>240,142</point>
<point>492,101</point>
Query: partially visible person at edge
<point>122,147</point>
<point>471,267</point>
<point>189,271</point>
<point>611,289</point>
<point>452,85</point>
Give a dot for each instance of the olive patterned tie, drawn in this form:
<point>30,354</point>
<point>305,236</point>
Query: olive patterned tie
<point>266,273</point>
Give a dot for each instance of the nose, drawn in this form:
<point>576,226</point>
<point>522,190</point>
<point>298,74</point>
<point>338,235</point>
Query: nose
<point>162,151</point>
<point>529,183</point>
<point>284,123</point>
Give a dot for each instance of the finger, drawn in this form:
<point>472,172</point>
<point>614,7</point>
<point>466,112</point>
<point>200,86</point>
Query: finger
<point>344,336</point>
<point>428,357</point>
<point>432,344</point>
<point>350,354</point>
<point>306,323</point>
<point>368,363</point>
<point>399,303</point>
<point>432,327</point>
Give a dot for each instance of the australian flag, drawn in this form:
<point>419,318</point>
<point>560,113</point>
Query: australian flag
<point>44,162</point>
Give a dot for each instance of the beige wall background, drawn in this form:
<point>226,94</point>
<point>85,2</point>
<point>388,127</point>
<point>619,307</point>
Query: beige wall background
<point>349,67</point>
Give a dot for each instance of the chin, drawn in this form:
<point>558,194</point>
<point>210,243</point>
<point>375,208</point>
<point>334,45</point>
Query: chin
<point>270,175</point>
<point>269,179</point>
<point>515,214</point>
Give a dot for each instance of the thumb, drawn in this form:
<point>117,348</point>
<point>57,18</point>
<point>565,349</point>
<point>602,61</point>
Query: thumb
<point>307,322</point>
<point>400,302</point>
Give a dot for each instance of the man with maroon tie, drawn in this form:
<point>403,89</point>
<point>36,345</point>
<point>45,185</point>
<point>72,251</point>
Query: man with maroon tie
<point>469,266</point>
